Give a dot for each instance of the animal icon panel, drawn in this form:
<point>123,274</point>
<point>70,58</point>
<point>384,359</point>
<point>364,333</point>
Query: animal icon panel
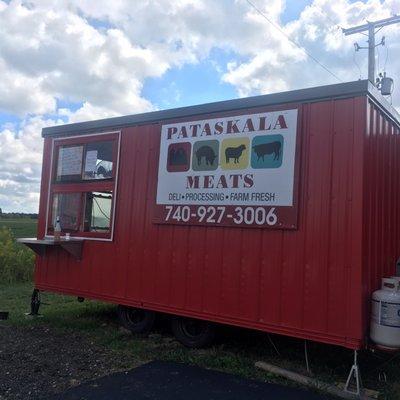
<point>205,155</point>
<point>234,154</point>
<point>178,159</point>
<point>267,151</point>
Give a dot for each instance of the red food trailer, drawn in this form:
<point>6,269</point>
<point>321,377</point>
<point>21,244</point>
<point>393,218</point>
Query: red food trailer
<point>277,212</point>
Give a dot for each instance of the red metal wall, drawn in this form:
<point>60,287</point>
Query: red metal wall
<point>311,282</point>
<point>381,198</point>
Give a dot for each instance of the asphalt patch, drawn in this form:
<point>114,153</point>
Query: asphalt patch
<point>173,381</point>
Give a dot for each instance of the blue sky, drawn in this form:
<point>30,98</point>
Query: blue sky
<point>192,84</point>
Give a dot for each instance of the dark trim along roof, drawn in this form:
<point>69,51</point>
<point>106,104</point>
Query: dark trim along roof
<point>341,90</point>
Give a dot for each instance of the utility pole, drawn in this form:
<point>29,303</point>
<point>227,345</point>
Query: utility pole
<point>370,27</point>
<point>371,53</point>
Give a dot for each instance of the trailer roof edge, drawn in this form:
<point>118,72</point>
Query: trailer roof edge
<point>349,89</point>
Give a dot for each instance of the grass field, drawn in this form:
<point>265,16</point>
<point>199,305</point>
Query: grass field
<point>21,227</point>
<point>16,260</point>
<point>235,351</point>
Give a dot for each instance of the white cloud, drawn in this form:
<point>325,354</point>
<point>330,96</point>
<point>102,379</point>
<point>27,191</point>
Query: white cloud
<point>98,54</point>
<point>50,54</point>
<point>21,162</point>
<point>21,94</point>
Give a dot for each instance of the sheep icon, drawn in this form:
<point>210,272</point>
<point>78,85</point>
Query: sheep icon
<point>235,153</point>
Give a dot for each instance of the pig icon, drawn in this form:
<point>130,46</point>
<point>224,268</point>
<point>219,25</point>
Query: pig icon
<point>207,153</point>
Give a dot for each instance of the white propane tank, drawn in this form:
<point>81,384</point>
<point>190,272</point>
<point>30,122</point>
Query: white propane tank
<point>385,318</point>
<point>397,279</point>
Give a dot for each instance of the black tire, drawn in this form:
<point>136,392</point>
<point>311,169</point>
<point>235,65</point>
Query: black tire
<point>193,333</point>
<point>136,320</point>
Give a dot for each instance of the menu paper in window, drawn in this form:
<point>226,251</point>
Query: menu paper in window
<point>91,161</point>
<point>70,160</point>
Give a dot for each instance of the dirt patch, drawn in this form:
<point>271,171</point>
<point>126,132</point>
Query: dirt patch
<point>36,362</point>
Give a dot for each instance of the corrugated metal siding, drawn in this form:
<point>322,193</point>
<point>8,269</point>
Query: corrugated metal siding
<point>382,194</point>
<point>304,283</point>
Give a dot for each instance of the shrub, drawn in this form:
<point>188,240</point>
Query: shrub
<point>16,261</point>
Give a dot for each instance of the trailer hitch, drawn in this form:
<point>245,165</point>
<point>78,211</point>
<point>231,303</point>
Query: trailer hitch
<point>4,315</point>
<point>35,302</point>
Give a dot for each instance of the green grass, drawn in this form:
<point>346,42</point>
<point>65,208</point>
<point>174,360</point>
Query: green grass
<point>99,322</point>
<point>235,352</point>
<point>20,227</point>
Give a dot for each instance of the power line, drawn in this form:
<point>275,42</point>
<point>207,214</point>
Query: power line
<point>335,24</point>
<point>387,56</point>
<point>326,15</point>
<point>293,41</point>
<point>356,63</point>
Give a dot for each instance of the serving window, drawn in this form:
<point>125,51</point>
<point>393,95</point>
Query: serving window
<point>83,185</point>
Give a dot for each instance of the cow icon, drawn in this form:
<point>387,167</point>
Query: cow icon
<point>267,151</point>
<point>264,149</point>
<point>235,153</point>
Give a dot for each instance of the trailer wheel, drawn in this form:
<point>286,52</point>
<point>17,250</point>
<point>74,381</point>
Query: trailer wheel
<point>193,333</point>
<point>136,320</point>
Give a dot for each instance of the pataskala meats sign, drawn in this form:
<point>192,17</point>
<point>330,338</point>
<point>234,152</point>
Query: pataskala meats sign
<point>237,170</point>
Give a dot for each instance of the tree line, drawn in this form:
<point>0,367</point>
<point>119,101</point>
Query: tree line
<point>14,215</point>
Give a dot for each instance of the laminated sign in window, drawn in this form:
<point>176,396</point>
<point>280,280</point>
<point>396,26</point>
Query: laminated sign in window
<point>239,171</point>
<point>69,162</point>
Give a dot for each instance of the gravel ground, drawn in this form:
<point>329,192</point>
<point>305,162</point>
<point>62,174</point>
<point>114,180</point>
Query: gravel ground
<point>36,362</point>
